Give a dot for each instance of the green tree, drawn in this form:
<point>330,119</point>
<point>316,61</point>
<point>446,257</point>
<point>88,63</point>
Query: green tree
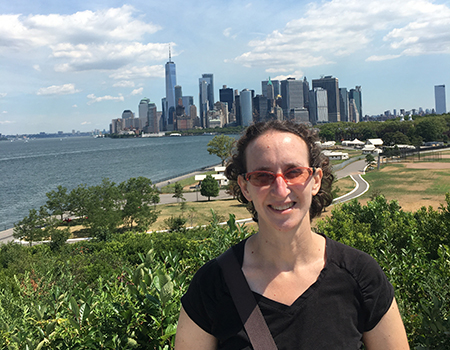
<point>31,227</point>
<point>58,201</point>
<point>178,192</point>
<point>431,128</point>
<point>100,206</point>
<point>209,187</point>
<point>370,158</point>
<point>139,196</point>
<point>221,146</point>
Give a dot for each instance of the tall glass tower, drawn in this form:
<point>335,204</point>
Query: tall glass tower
<point>171,82</point>
<point>206,97</point>
<point>439,96</point>
<point>331,85</point>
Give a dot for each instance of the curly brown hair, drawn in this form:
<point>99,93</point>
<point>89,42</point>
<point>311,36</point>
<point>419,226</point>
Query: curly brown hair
<point>237,165</point>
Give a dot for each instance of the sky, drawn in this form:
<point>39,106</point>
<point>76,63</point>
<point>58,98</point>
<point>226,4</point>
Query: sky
<point>76,65</point>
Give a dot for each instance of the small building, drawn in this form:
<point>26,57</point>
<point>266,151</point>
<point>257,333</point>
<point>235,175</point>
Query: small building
<point>371,149</point>
<point>355,143</point>
<point>220,176</point>
<point>375,142</point>
<point>335,155</point>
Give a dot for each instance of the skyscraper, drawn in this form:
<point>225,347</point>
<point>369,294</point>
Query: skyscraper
<point>343,101</point>
<point>206,97</point>
<point>246,107</point>
<point>439,96</point>
<point>318,106</point>
<point>275,85</point>
<point>226,95</point>
<point>331,85</point>
<point>292,95</point>
<point>171,82</point>
<point>143,111</point>
<point>355,94</point>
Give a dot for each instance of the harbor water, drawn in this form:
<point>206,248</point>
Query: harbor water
<point>29,169</point>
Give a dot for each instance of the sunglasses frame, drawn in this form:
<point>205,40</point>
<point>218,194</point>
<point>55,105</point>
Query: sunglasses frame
<point>311,171</point>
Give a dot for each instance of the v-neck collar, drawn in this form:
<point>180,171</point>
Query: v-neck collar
<point>299,302</point>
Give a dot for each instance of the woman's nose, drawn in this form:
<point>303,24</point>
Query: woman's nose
<point>279,186</point>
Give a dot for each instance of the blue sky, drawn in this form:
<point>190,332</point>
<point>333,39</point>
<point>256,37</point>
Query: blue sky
<point>75,65</point>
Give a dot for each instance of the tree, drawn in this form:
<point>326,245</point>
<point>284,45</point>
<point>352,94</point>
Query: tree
<point>31,227</point>
<point>100,206</point>
<point>58,201</point>
<point>370,158</point>
<point>140,197</point>
<point>209,187</point>
<point>221,146</point>
<point>178,192</point>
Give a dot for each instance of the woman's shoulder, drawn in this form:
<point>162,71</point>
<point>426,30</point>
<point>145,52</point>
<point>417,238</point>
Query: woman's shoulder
<point>359,264</point>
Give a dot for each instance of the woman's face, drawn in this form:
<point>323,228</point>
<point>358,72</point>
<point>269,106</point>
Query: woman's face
<point>280,206</point>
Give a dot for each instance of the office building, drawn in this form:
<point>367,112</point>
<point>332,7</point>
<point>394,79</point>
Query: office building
<point>275,84</point>
<point>188,101</point>
<point>305,93</point>
<point>178,94</point>
<point>355,94</point>
<point>353,113</point>
<point>143,111</point>
<point>318,106</point>
<point>260,107</point>
<point>203,102</point>
<point>246,107</point>
<point>206,97</point>
<point>170,103</point>
<point>152,119</point>
<point>237,108</point>
<point>226,95</point>
<point>292,95</point>
<point>331,85</point>
<point>343,104</point>
<point>439,97</point>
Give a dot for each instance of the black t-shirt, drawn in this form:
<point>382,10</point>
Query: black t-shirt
<point>350,297</point>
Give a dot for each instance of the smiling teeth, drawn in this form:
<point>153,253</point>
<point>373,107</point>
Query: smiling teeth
<point>284,207</point>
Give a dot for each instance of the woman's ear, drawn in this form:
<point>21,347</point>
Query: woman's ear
<point>317,181</point>
<point>244,189</point>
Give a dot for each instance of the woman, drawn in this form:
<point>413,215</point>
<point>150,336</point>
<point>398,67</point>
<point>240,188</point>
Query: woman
<point>314,293</point>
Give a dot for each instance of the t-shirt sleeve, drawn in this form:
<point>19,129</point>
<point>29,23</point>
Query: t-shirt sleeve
<point>197,297</point>
<point>377,291</point>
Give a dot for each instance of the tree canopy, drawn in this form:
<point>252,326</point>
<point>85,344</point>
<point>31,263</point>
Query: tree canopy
<point>221,146</point>
<point>209,187</point>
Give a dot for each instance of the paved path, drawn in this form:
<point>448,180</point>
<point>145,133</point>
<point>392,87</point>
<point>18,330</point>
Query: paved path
<point>354,170</point>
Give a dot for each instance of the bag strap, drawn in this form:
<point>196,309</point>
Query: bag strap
<point>245,302</point>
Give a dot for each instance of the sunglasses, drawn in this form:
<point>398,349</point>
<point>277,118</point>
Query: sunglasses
<point>293,176</point>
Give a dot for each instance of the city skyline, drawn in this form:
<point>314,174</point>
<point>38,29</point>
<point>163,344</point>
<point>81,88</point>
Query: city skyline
<point>79,65</point>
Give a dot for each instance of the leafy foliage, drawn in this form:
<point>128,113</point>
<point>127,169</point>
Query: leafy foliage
<point>221,146</point>
<point>209,187</point>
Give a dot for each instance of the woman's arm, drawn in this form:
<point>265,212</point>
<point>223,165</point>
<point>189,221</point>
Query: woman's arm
<point>190,336</point>
<point>389,333</point>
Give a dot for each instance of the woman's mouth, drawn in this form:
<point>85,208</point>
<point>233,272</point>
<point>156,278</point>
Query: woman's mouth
<point>283,206</point>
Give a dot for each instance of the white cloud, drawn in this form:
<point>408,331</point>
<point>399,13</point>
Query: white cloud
<point>86,123</point>
<point>94,99</point>
<point>102,40</point>
<point>339,28</point>
<point>6,121</point>
<point>382,58</point>
<point>137,91</point>
<point>135,72</point>
<point>3,94</point>
<point>227,32</point>
<point>37,67</point>
<point>74,106</point>
<point>124,83</point>
<point>58,90</point>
